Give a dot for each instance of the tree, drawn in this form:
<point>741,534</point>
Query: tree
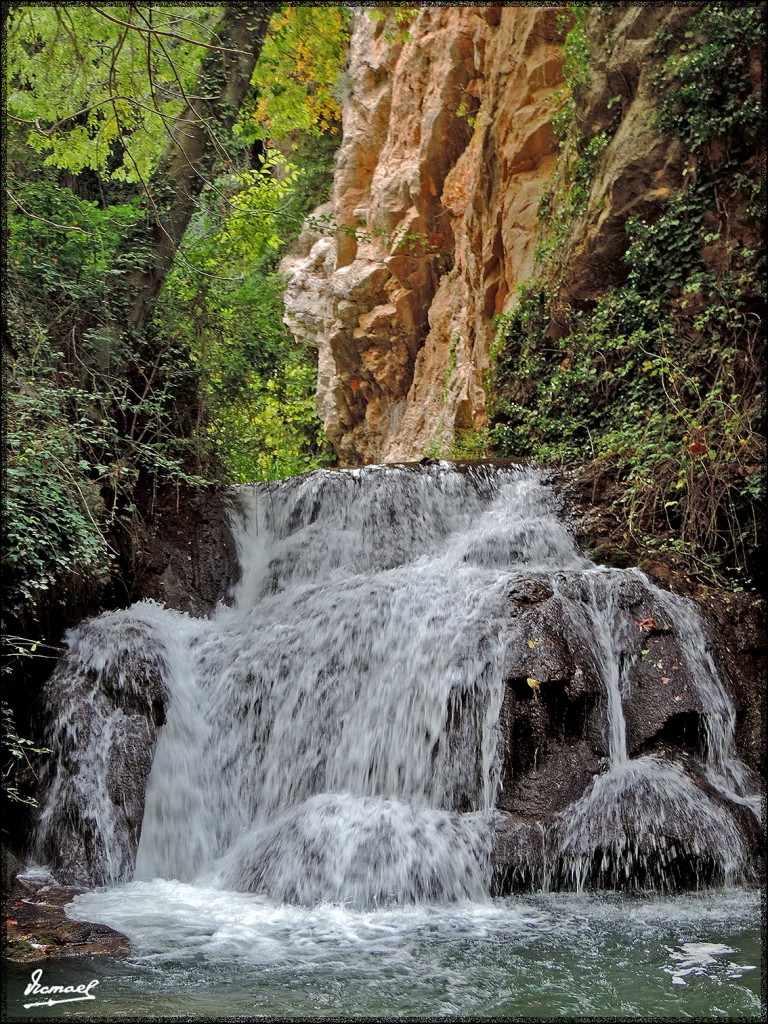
<point>197,140</point>
<point>127,77</point>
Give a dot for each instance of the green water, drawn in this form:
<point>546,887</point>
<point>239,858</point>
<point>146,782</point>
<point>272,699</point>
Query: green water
<point>203,954</point>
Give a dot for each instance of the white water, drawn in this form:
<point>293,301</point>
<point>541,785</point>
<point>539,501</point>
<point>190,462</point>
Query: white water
<point>353,689</point>
<point>332,735</point>
<point>213,954</point>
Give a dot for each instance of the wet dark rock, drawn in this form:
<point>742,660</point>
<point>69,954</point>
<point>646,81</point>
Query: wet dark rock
<point>519,854</point>
<point>37,928</point>
<point>660,690</point>
<point>738,628</point>
<point>553,782</point>
<point>189,562</point>
<point>554,732</point>
<point>10,866</point>
<point>103,725</point>
<point>532,591</point>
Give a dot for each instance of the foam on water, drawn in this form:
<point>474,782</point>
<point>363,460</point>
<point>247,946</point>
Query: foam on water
<point>545,956</point>
<point>185,920</point>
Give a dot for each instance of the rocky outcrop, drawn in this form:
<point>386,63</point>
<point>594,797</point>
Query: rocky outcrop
<point>447,145</point>
<point>561,787</point>
<point>36,926</point>
<point>189,558</point>
<point>640,167</point>
<point>104,703</point>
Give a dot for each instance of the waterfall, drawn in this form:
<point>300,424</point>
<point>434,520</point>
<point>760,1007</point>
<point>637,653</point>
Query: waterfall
<point>334,733</point>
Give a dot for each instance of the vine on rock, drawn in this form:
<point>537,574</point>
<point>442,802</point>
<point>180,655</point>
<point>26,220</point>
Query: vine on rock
<point>658,380</point>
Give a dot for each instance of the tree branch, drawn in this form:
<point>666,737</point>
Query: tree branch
<point>34,216</point>
<point>172,35</point>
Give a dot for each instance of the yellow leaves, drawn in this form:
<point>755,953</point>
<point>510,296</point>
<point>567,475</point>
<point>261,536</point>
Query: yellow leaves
<point>298,71</point>
<point>533,683</point>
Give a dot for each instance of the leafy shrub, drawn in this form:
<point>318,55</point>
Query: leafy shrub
<point>662,376</point>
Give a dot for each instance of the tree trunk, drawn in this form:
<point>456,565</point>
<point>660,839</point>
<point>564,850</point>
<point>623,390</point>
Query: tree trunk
<point>189,158</point>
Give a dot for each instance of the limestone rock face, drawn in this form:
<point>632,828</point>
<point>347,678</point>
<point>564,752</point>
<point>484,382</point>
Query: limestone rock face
<point>447,145</point>
<point>640,167</point>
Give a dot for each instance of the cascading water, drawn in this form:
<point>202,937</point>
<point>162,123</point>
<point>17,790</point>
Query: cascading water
<point>333,734</point>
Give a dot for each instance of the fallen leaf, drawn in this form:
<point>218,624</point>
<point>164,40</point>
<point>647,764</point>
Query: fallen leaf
<point>531,643</point>
<point>678,696</point>
<point>646,651</point>
<point>354,384</point>
<point>646,625</point>
<point>533,683</point>
<point>665,679</point>
<point>697,448</point>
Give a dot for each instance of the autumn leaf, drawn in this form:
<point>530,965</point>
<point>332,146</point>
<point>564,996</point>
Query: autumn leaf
<point>697,448</point>
<point>533,683</point>
<point>665,679</point>
<point>532,643</point>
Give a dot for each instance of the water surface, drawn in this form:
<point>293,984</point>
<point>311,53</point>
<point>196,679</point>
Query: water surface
<point>204,953</point>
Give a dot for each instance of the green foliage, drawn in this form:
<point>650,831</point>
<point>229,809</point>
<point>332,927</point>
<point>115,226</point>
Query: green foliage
<point>98,92</point>
<point>18,750</point>
<point>470,444</point>
<point>91,407</point>
<point>272,430</point>
<point>567,195</point>
<point>572,26</point>
<point>451,367</point>
<point>664,383</point>
<point>708,81</point>
<point>461,444</point>
<point>256,386</point>
<point>660,377</point>
<point>79,428</point>
<point>394,19</point>
<point>298,74</point>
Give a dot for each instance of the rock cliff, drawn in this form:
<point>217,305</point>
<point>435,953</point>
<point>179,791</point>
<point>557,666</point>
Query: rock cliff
<point>447,145</point>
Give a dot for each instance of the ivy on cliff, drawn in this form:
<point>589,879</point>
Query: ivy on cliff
<point>659,378</point>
